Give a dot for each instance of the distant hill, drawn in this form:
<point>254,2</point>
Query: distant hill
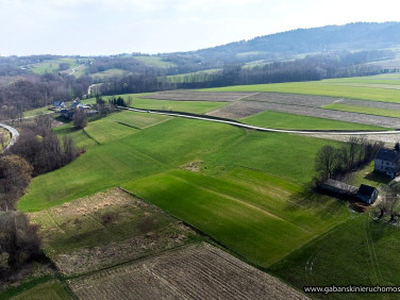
<point>288,45</point>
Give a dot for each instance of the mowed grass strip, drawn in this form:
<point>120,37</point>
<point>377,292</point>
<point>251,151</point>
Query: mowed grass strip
<point>253,224</point>
<point>364,110</point>
<point>323,88</point>
<point>271,119</point>
<point>360,251</point>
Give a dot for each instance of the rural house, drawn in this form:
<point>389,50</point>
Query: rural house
<point>387,162</point>
<point>57,105</point>
<point>367,194</point>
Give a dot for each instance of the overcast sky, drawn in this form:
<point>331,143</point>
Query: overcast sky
<point>104,27</point>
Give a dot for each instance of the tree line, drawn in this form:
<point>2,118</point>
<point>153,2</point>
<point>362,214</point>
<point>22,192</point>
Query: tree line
<point>37,151</point>
<point>333,162</point>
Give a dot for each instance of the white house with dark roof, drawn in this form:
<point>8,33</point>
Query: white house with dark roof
<point>387,161</point>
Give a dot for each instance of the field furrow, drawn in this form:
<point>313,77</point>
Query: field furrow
<point>197,271</point>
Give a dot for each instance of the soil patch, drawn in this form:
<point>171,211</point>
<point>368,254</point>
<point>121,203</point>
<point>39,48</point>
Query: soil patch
<point>193,272</point>
<point>106,229</point>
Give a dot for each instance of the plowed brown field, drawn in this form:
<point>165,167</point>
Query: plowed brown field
<point>193,272</point>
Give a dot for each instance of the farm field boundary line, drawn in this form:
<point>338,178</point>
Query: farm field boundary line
<point>246,126</point>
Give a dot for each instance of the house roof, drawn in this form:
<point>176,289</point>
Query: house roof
<point>366,190</point>
<point>387,155</point>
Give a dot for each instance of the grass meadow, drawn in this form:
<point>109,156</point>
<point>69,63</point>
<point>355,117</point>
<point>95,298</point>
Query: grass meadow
<point>261,222</point>
<point>51,66</point>
<point>364,110</point>
<point>359,251</point>
<point>278,120</point>
<point>250,189</point>
<point>154,62</point>
<point>50,290</point>
<point>334,88</point>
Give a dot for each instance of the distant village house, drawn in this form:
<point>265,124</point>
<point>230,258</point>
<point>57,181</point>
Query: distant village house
<point>58,105</point>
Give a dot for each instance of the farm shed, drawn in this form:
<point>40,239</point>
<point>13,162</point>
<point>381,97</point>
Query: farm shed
<point>339,187</point>
<point>387,161</point>
<point>367,194</point>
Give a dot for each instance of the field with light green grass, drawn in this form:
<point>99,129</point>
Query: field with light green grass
<point>197,107</point>
<point>249,191</point>
<point>250,181</point>
<point>323,88</point>
<point>51,290</point>
<point>38,111</point>
<point>262,221</point>
<point>199,76</point>
<point>364,110</point>
<point>109,73</point>
<point>277,120</point>
<point>155,62</point>
<point>358,252</point>
<point>51,66</point>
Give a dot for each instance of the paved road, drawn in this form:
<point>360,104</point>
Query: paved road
<point>246,126</point>
<point>13,132</point>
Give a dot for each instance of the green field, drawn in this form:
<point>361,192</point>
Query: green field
<point>37,112</point>
<point>277,120</point>
<point>199,76</point>
<point>142,153</point>
<point>323,88</point>
<point>358,252</point>
<point>51,66</point>
<point>154,62</point>
<point>51,290</point>
<point>196,107</point>
<point>109,73</point>
<point>261,221</point>
<point>248,190</point>
<point>364,110</point>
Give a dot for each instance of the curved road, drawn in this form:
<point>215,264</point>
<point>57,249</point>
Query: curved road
<point>246,126</point>
<point>13,132</point>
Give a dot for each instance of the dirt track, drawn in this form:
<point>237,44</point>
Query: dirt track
<point>194,272</point>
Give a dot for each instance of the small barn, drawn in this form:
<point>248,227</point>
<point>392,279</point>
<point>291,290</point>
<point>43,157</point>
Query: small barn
<point>367,194</point>
<point>338,187</point>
